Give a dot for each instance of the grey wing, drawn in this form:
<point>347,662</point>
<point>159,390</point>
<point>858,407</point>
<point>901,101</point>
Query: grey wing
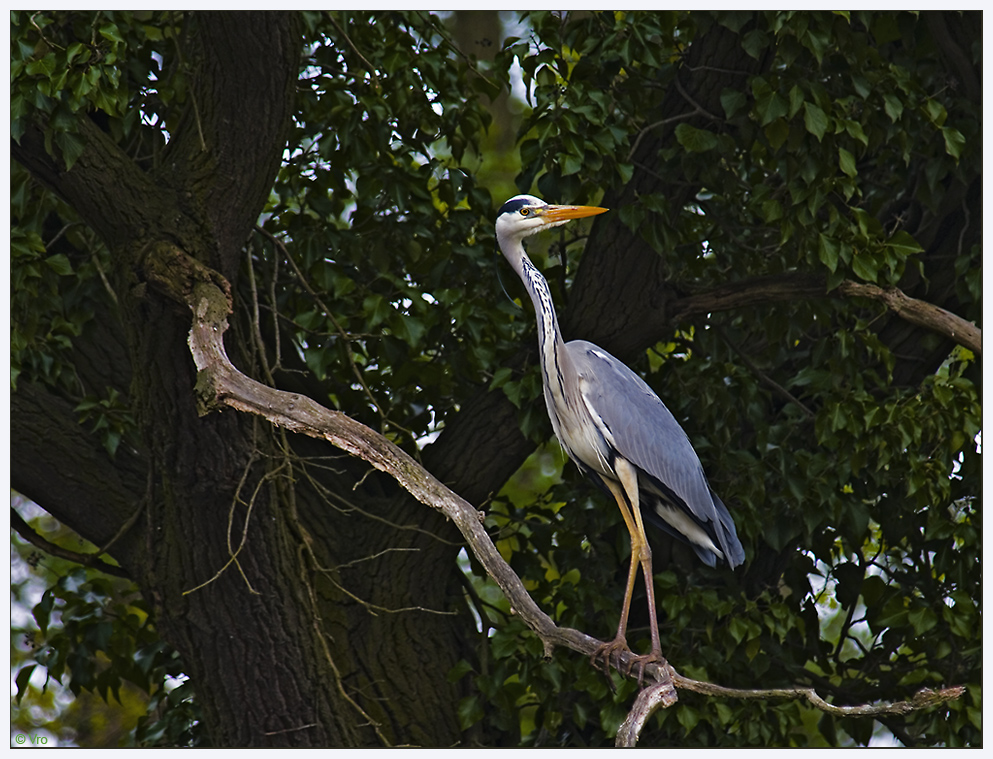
<point>638,425</point>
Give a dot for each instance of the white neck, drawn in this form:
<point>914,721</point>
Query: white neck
<point>555,365</point>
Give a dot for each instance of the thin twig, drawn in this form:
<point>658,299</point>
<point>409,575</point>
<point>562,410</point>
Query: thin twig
<point>232,551</point>
<point>697,108</point>
<point>103,278</point>
<point>256,323</point>
<point>763,377</point>
<point>128,524</point>
<point>322,637</point>
<point>384,418</point>
<point>369,66</point>
<point>655,125</point>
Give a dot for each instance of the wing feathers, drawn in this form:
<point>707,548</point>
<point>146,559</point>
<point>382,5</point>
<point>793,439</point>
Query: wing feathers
<point>635,422</point>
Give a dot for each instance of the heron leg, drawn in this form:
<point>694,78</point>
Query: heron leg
<point>619,643</point>
<point>625,492</point>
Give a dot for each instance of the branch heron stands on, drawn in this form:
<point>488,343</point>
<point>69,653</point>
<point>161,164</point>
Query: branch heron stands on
<point>611,423</point>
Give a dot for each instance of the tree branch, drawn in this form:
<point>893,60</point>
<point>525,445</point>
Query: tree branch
<point>63,468</point>
<point>661,695</point>
<point>921,313</point>
<point>787,287</point>
<point>220,384</point>
<point>23,529</point>
<point>923,699</point>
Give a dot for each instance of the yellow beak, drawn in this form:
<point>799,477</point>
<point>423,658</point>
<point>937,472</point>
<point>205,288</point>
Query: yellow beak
<point>565,213</point>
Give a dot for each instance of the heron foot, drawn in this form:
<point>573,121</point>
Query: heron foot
<point>601,658</point>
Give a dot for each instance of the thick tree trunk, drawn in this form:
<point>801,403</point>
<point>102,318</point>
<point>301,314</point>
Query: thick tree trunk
<point>245,571</point>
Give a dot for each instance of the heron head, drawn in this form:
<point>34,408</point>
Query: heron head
<point>525,215</point>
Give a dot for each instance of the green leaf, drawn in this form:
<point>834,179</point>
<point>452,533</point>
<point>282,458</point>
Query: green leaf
<point>459,671</point>
<point>922,619</point>
<point>854,129</point>
<point>815,120</point>
<point>772,211</point>
<point>771,107</point>
<point>695,140</point>
<point>71,146</point>
<point>777,133</point>
<point>410,329</point>
<point>688,717</point>
<point>470,711</point>
<point>110,32</point>
<point>954,142</point>
<point>935,112</point>
<point>904,244</point>
<point>43,610</point>
<point>59,264</point>
<point>864,267</point>
<point>846,161</point>
<point>818,41</point>
<point>828,250</point>
<point>22,680</point>
<point>75,49</point>
<point>733,101</point>
<point>796,100</point>
<point>501,377</point>
<point>755,42</point>
<point>43,67</point>
<point>893,107</point>
<point>571,164</point>
<point>377,309</point>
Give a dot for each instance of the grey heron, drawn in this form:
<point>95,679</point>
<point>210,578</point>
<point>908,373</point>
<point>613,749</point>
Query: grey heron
<point>617,430</point>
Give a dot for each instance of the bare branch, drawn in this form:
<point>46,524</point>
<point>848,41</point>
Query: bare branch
<point>921,313</point>
<point>787,287</point>
<point>923,699</point>
<point>221,384</point>
<point>661,695</point>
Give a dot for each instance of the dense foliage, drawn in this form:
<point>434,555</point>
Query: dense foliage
<point>760,152</point>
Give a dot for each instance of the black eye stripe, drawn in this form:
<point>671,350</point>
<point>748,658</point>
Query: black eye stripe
<point>515,204</point>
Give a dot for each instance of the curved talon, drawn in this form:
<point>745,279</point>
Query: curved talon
<point>643,661</point>
<point>619,644</point>
<point>606,651</point>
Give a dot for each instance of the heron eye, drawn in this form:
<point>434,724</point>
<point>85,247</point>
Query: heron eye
<point>525,211</point>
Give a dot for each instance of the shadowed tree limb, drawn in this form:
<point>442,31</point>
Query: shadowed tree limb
<point>921,313</point>
<point>789,287</point>
<point>23,529</point>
